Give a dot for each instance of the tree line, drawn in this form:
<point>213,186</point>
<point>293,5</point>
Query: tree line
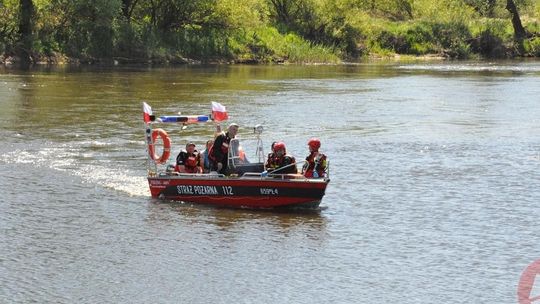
<point>265,30</point>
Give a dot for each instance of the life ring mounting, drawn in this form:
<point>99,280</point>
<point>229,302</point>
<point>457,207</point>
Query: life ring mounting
<point>166,146</point>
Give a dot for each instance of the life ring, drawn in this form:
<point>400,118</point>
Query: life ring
<point>166,146</point>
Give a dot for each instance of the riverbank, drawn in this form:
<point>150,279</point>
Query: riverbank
<point>484,39</point>
<point>311,55</point>
<point>61,60</point>
<point>14,61</point>
<point>258,32</point>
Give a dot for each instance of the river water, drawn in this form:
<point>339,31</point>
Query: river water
<point>434,195</point>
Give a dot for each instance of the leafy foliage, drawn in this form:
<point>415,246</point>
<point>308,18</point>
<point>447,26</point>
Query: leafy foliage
<point>8,25</point>
<point>266,30</point>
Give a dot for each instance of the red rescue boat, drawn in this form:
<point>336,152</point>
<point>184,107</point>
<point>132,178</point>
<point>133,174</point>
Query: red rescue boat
<point>247,185</point>
<point>247,191</point>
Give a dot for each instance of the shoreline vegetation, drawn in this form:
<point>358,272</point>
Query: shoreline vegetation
<point>116,32</point>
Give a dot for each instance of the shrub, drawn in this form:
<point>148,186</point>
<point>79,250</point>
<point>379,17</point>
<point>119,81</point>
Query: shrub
<point>423,38</point>
<point>266,44</point>
<point>128,41</point>
<point>490,37</point>
<point>532,46</point>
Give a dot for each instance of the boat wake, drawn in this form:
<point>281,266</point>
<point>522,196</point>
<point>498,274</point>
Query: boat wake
<point>104,173</point>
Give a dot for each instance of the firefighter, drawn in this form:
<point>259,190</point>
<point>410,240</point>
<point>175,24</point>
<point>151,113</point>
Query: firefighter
<point>280,159</point>
<point>219,153</point>
<point>271,155</point>
<point>316,163</point>
<point>189,160</point>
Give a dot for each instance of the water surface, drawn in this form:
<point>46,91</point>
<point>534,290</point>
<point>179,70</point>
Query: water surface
<point>434,192</point>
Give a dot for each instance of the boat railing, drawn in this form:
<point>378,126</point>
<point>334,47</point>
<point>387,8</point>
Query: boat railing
<point>205,175</point>
<point>328,169</point>
<point>285,175</point>
<point>273,176</point>
<point>252,174</point>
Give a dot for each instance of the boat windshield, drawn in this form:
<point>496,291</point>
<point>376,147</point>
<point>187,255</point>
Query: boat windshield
<point>239,162</point>
<point>237,155</point>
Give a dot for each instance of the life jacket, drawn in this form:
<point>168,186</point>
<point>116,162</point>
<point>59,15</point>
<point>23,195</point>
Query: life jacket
<point>242,154</point>
<point>271,161</point>
<point>315,162</point>
<point>224,148</point>
<point>276,162</point>
<point>192,160</point>
<point>189,161</point>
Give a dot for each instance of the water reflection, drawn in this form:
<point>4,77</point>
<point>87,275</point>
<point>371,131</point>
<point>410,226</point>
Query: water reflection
<point>226,219</point>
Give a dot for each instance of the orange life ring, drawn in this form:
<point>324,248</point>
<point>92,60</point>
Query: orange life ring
<point>166,146</point>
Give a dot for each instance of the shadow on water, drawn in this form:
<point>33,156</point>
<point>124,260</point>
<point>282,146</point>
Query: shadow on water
<point>233,218</point>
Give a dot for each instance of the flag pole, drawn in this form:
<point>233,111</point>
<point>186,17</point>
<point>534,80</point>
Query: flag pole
<point>148,117</point>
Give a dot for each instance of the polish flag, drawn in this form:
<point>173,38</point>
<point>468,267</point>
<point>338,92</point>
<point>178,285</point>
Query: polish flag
<point>147,112</point>
<point>219,112</point>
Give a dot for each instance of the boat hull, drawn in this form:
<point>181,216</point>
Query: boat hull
<point>241,192</point>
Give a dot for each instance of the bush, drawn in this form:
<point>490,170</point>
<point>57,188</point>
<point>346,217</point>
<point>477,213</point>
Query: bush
<point>128,41</point>
<point>8,25</point>
<point>489,37</point>
<point>489,45</point>
<point>532,47</point>
<point>452,39</point>
<point>392,40</point>
<point>266,44</point>
<point>424,38</point>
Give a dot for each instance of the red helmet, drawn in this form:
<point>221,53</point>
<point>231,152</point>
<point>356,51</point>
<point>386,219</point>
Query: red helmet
<point>278,146</point>
<point>314,143</point>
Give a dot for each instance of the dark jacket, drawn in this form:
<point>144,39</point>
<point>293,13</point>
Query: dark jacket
<point>189,160</point>
<point>273,163</point>
<point>220,150</point>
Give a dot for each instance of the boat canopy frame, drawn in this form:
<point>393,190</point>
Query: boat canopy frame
<point>235,161</point>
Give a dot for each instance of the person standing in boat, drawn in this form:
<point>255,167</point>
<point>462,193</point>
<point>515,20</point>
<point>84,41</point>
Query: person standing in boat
<point>188,160</point>
<point>280,159</point>
<point>219,153</point>
<point>316,163</point>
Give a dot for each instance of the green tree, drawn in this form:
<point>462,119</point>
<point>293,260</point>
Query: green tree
<point>26,30</point>
<point>8,25</point>
<point>128,7</point>
<point>301,16</point>
<point>485,8</point>
<point>519,30</point>
<point>92,23</point>
<point>390,9</point>
<point>169,15</point>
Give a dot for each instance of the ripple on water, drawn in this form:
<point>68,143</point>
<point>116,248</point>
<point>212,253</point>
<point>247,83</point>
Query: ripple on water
<point>91,167</point>
<point>434,192</point>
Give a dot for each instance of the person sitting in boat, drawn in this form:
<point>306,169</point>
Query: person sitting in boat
<point>206,164</point>
<point>280,162</point>
<point>271,155</point>
<point>316,164</point>
<point>188,160</point>
<point>220,149</point>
